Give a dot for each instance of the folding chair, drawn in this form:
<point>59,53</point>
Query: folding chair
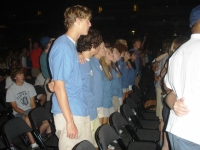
<point>105,135</point>
<point>14,128</point>
<point>142,114</point>
<point>137,134</point>
<point>2,146</point>
<point>84,145</point>
<point>36,117</point>
<point>143,124</point>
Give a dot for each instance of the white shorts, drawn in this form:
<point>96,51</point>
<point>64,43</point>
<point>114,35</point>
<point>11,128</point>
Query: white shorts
<point>108,111</point>
<point>100,112</point>
<point>125,90</point>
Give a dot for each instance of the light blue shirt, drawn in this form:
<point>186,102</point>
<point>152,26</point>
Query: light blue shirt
<point>87,79</point>
<point>115,83</point>
<point>98,82</point>
<point>64,66</point>
<point>125,75</point>
<point>44,65</point>
<point>120,63</point>
<point>107,93</point>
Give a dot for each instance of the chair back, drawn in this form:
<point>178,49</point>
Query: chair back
<point>38,115</point>
<point>105,135</point>
<point>13,128</point>
<point>117,121</point>
<point>84,145</point>
<point>131,102</point>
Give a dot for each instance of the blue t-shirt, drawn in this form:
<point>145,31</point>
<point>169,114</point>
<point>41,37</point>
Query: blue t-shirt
<point>87,79</point>
<point>44,65</point>
<point>64,66</point>
<point>107,92</point>
<point>120,63</point>
<point>132,76</point>
<point>98,82</point>
<point>115,83</point>
<point>125,75</point>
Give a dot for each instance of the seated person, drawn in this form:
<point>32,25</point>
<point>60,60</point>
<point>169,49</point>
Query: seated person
<point>21,97</point>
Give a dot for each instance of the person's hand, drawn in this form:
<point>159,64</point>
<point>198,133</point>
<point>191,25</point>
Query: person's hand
<point>51,86</point>
<point>72,131</point>
<point>180,108</point>
<point>81,58</point>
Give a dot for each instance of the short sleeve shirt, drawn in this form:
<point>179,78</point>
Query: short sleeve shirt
<point>21,95</point>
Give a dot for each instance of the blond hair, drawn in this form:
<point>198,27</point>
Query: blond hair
<point>121,41</point>
<point>77,11</point>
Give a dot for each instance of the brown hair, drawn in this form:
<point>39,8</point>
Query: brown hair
<point>92,39</point>
<point>121,47</point>
<point>15,71</point>
<point>77,11</point>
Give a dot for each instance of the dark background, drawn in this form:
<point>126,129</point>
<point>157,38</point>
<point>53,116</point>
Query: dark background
<point>157,19</point>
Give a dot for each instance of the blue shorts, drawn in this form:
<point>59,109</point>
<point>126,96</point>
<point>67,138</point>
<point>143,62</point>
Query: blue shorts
<point>22,115</point>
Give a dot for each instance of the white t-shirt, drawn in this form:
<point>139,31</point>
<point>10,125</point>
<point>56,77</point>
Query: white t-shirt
<point>183,77</point>
<point>9,82</point>
<point>40,80</point>
<point>21,95</point>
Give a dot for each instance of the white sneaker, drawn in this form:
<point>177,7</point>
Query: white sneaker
<point>111,147</point>
<point>114,141</point>
<point>35,145</point>
<point>120,131</point>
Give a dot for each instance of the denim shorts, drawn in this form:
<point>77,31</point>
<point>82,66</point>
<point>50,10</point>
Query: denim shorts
<point>22,115</point>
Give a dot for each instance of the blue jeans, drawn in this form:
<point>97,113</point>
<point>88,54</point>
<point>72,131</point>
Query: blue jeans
<point>178,143</point>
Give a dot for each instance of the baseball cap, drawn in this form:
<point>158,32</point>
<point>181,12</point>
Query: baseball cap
<point>45,40</point>
<point>194,15</point>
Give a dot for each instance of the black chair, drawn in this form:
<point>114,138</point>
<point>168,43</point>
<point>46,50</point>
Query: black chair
<point>14,128</point>
<point>36,117</point>
<point>141,113</point>
<point>105,135</point>
<point>143,124</point>
<point>84,145</point>
<point>117,121</point>
<point>142,134</point>
<point>2,146</point>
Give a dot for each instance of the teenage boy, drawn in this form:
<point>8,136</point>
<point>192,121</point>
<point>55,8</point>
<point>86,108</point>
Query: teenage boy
<point>21,97</point>
<point>88,46</point>
<point>68,105</point>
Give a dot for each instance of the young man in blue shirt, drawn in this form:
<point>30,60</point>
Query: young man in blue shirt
<point>88,46</point>
<point>68,105</point>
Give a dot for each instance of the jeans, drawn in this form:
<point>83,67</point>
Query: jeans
<point>178,143</point>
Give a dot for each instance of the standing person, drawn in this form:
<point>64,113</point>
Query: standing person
<point>182,85</point>
<point>35,52</point>
<point>106,63</point>
<point>46,44</point>
<point>136,47</point>
<point>68,105</point>
<point>88,46</point>
<point>117,80</point>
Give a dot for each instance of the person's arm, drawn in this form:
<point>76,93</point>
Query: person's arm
<point>62,98</point>
<point>81,58</point>
<point>160,57</point>
<point>18,110</point>
<point>177,106</point>
<point>142,45</point>
<point>32,100</point>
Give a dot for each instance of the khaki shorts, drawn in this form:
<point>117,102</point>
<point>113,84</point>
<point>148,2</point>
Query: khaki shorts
<point>108,111</point>
<point>159,105</point>
<point>125,90</point>
<point>115,101</point>
<point>94,125</point>
<point>100,112</point>
<point>84,131</point>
